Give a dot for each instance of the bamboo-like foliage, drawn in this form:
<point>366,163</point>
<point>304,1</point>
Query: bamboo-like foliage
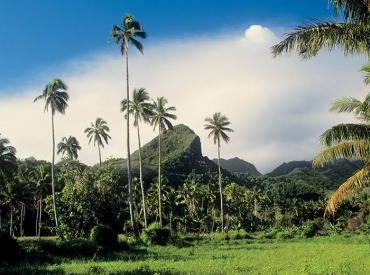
<point>350,36</point>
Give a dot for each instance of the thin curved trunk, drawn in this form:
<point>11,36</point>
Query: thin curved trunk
<point>129,176</point>
<point>39,220</point>
<point>99,154</point>
<point>52,172</point>
<point>220,186</point>
<point>159,179</point>
<point>141,179</point>
<point>11,231</point>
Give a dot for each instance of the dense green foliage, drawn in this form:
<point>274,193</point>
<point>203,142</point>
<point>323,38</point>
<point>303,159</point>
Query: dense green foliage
<point>104,236</point>
<point>155,234</point>
<point>10,250</point>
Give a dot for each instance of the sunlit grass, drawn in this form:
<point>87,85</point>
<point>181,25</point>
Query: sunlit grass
<point>217,255</point>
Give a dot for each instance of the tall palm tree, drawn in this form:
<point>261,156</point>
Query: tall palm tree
<point>56,98</point>
<point>218,126</point>
<point>348,141</point>
<point>123,35</point>
<point>351,35</point>
<point>141,109</point>
<point>8,160</point>
<point>69,146</point>
<point>161,118</point>
<point>98,133</point>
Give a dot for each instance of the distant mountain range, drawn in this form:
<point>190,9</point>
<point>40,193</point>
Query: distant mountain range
<point>238,165</point>
<point>182,155</point>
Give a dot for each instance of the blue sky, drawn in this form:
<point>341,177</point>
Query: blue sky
<point>39,34</point>
<point>203,56</point>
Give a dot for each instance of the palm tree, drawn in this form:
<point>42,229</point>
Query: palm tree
<point>141,109</point>
<point>69,146</point>
<point>161,118</point>
<point>128,33</point>
<point>348,141</point>
<point>351,35</point>
<point>218,128</point>
<point>8,160</point>
<point>98,133</point>
<point>56,98</point>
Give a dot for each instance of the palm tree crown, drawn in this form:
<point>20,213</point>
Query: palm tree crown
<point>128,33</point>
<point>69,146</point>
<point>351,35</point>
<point>218,125</point>
<point>55,96</point>
<point>139,107</point>
<point>8,160</point>
<point>161,115</point>
<point>98,133</point>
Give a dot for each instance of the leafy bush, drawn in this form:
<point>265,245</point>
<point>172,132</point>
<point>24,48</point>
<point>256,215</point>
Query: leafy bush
<point>104,236</point>
<point>10,249</point>
<point>156,235</point>
<point>309,229</point>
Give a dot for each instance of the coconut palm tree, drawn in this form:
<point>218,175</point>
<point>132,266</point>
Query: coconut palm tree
<point>69,146</point>
<point>56,98</point>
<point>8,160</point>
<point>351,35</point>
<point>128,33</point>
<point>141,109</point>
<point>348,141</point>
<point>98,133</point>
<point>218,126</point>
<point>161,118</point>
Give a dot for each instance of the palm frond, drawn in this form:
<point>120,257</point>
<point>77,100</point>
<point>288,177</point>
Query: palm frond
<point>366,70</point>
<point>352,9</point>
<point>345,132</point>
<point>308,38</point>
<point>345,104</point>
<point>351,186</point>
<point>353,149</point>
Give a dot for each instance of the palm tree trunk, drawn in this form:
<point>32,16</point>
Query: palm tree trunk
<point>23,211</point>
<point>220,187</point>
<point>37,217</point>
<point>141,179</point>
<point>99,155</point>
<point>11,231</point>
<point>39,221</point>
<point>159,178</point>
<point>52,171</point>
<point>129,176</point>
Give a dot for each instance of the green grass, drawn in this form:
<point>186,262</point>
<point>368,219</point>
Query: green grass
<point>321,255</point>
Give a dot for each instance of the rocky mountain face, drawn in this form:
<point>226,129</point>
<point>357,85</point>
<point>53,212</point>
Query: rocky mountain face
<point>182,154</point>
<point>238,165</point>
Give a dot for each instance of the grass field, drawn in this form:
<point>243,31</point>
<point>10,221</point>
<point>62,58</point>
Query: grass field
<point>321,255</point>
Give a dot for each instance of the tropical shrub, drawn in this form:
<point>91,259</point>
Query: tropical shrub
<point>10,250</point>
<point>104,236</point>
<point>156,235</point>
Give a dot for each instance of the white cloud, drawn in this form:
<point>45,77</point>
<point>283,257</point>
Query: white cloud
<point>278,107</point>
